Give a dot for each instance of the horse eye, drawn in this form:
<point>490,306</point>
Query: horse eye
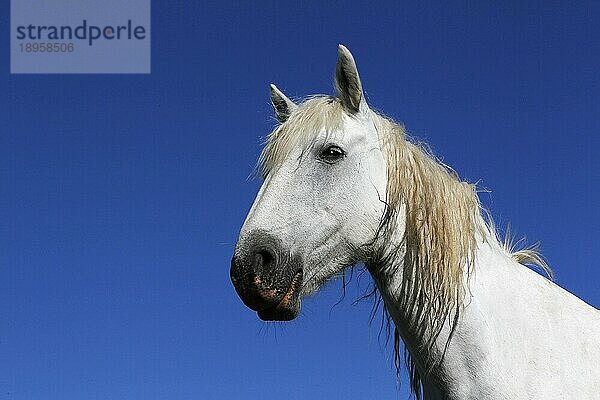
<point>331,154</point>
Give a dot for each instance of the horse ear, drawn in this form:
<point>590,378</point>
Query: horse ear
<point>282,105</point>
<point>347,81</point>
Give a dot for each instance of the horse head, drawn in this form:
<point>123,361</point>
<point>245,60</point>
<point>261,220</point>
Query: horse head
<point>322,200</point>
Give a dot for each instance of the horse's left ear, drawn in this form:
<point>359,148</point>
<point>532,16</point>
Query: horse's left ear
<point>282,105</point>
<point>347,81</point>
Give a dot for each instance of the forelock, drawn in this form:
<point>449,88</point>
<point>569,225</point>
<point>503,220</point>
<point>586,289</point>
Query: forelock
<point>300,130</point>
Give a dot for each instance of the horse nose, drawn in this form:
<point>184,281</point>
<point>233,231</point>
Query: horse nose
<point>253,275</point>
<point>267,278</point>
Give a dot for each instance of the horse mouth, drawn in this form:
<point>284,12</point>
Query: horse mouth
<point>289,306</point>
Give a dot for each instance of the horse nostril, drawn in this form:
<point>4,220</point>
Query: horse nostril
<point>264,260</point>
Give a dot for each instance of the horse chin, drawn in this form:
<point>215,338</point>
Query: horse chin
<point>289,307</point>
<point>279,314</point>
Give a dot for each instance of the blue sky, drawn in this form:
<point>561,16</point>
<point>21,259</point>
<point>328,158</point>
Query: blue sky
<point>122,195</point>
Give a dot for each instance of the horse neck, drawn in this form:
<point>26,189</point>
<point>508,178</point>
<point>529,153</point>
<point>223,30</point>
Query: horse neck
<point>446,361</point>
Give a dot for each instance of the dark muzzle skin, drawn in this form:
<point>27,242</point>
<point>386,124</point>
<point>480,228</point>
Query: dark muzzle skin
<point>266,281</point>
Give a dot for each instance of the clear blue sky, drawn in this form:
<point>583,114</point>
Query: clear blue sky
<point>122,195</point>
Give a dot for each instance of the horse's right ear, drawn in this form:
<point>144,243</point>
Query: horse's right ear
<point>282,105</point>
<point>347,81</point>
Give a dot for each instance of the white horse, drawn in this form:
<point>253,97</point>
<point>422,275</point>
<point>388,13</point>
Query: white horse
<point>343,184</point>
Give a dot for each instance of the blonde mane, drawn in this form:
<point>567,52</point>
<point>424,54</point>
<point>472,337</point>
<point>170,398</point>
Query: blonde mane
<point>443,219</point>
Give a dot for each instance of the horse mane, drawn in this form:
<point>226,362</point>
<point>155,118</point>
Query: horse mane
<point>442,215</point>
<point>442,220</point>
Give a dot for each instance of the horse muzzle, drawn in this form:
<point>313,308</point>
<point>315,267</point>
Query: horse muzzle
<point>267,282</point>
